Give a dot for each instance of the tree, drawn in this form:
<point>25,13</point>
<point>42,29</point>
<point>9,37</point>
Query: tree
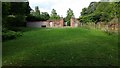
<point>28,8</point>
<point>21,8</point>
<point>5,8</point>
<point>37,11</point>
<point>100,12</point>
<point>69,15</point>
<point>13,16</point>
<point>116,9</point>
<point>53,12</point>
<point>15,13</point>
<point>92,7</point>
<point>54,15</point>
<point>44,16</point>
<point>84,11</point>
<point>5,12</point>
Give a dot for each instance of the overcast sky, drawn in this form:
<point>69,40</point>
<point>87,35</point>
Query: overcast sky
<point>61,6</point>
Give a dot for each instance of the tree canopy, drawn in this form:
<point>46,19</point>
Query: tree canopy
<point>13,16</point>
<point>37,11</point>
<point>100,12</point>
<point>54,15</point>
<point>69,15</point>
<point>36,15</point>
<point>44,16</point>
<point>14,13</point>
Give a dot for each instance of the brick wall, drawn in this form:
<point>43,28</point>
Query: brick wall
<point>49,23</point>
<point>38,24</point>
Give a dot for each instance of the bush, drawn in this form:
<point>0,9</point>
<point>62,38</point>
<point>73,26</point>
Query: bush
<point>12,22</point>
<point>33,18</point>
<point>8,34</point>
<point>43,17</point>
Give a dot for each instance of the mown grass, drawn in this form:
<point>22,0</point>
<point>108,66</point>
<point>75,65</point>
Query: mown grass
<point>61,47</point>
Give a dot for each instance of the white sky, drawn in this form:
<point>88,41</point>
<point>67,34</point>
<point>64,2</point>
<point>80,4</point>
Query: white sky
<point>61,6</point>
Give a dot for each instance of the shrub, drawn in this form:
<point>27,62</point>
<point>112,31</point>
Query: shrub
<point>9,34</point>
<point>33,18</point>
<point>12,22</point>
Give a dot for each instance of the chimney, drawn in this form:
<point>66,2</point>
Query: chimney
<point>72,20</point>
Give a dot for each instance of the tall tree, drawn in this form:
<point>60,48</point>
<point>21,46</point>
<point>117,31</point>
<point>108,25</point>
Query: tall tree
<point>92,7</point>
<point>102,12</point>
<point>69,15</point>
<point>116,9</point>
<point>21,8</point>
<point>5,8</point>
<point>44,16</point>
<point>14,13</point>
<point>84,12</point>
<point>37,11</point>
<point>54,15</point>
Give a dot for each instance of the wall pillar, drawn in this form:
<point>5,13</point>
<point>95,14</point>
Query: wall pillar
<point>61,21</point>
<point>72,20</point>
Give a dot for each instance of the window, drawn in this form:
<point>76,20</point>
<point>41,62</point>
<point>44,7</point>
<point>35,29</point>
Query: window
<point>43,26</point>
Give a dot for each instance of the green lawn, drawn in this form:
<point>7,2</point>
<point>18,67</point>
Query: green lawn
<point>61,47</point>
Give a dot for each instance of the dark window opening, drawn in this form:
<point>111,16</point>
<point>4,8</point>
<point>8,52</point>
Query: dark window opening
<point>43,26</point>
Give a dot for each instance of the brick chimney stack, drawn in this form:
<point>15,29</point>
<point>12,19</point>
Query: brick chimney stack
<point>62,21</point>
<point>72,20</point>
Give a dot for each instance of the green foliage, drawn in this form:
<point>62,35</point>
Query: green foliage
<point>54,15</point>
<point>14,21</point>
<point>105,17</point>
<point>95,17</point>
<point>20,21</point>
<point>117,9</point>
<point>53,12</point>
<point>102,6</point>
<point>37,11</point>
<point>44,16</point>
<point>100,12</point>
<point>68,22</point>
<point>69,14</point>
<point>5,9</point>
<point>32,18</point>
<point>37,16</point>
<point>84,11</point>
<point>19,8</point>
<point>91,8</point>
<point>9,34</point>
<point>14,14</point>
